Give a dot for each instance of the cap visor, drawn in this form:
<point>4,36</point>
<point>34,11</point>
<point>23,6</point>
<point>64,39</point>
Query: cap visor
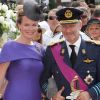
<point>69,21</point>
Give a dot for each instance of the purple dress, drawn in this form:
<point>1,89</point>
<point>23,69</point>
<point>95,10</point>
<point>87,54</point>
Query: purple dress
<point>24,71</point>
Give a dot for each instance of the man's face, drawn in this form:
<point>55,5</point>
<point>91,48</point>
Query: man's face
<point>71,31</point>
<point>52,20</point>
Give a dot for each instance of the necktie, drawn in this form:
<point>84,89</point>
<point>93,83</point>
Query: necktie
<point>73,55</point>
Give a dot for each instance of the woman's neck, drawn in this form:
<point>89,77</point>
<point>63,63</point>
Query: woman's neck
<point>24,41</point>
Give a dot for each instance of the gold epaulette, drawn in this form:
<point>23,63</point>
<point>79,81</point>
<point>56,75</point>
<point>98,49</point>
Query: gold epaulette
<point>94,42</point>
<point>55,42</point>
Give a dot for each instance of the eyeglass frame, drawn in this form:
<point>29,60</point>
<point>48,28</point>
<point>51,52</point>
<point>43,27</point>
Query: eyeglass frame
<point>52,17</point>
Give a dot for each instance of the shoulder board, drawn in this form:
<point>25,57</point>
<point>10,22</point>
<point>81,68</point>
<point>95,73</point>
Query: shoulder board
<point>94,42</point>
<point>55,42</point>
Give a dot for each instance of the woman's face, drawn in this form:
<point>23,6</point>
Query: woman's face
<point>94,30</point>
<point>28,28</point>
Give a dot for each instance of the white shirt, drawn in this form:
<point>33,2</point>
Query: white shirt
<point>44,25</point>
<point>77,46</point>
<point>46,38</point>
<point>84,36</point>
<point>47,35</point>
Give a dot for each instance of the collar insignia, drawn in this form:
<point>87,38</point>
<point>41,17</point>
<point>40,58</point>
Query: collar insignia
<point>88,60</point>
<point>89,79</point>
<point>83,51</point>
<point>62,51</point>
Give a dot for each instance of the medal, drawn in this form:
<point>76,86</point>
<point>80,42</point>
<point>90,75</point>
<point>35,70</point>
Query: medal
<point>89,79</point>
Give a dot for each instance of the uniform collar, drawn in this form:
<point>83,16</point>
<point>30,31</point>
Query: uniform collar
<point>77,46</point>
<point>77,43</point>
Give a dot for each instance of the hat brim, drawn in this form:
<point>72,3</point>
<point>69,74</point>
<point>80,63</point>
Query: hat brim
<point>95,22</point>
<point>69,21</point>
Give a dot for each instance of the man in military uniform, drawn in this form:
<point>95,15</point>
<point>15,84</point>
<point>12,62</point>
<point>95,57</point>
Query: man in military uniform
<point>74,63</point>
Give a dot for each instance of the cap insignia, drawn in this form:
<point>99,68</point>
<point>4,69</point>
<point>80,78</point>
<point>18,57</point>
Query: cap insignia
<point>68,14</point>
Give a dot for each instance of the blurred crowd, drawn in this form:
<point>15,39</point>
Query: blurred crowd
<point>90,22</point>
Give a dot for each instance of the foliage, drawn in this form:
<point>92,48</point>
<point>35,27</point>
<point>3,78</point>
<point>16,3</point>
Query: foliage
<point>7,20</point>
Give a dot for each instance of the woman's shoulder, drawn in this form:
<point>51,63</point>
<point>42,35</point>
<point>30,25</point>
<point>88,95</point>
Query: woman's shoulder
<point>14,51</point>
<point>9,43</point>
<point>6,51</point>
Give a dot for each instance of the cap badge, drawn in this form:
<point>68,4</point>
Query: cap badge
<point>68,14</point>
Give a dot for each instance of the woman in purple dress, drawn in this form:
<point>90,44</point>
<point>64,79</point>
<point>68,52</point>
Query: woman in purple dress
<point>21,59</point>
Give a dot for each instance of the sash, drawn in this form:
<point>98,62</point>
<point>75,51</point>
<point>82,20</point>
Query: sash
<point>66,70</point>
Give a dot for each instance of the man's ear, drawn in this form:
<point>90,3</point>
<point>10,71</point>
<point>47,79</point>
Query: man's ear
<point>80,25</point>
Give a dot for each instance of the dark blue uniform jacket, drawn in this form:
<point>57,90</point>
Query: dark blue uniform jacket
<point>88,71</point>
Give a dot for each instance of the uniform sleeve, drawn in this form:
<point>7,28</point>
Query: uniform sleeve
<point>46,74</point>
<point>95,90</point>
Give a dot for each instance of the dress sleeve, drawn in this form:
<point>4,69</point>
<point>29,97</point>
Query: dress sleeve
<point>12,51</point>
<point>5,54</point>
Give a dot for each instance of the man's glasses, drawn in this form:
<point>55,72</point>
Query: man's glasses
<point>52,17</point>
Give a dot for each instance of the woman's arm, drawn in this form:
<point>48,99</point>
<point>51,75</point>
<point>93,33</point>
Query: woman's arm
<point>3,69</point>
